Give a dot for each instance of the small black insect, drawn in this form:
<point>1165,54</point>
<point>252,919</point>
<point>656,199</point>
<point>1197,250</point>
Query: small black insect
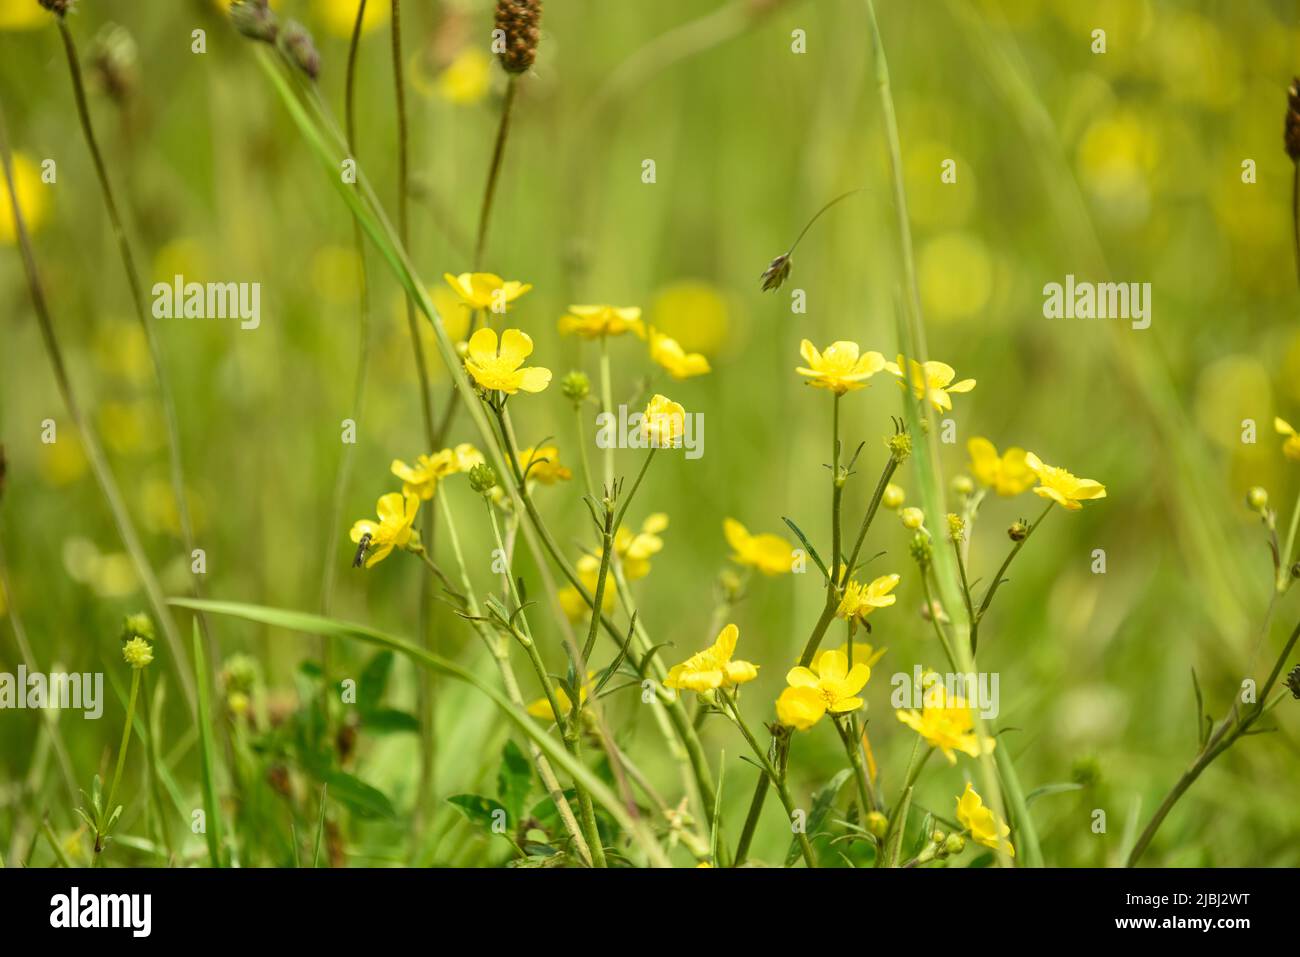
<point>362,546</point>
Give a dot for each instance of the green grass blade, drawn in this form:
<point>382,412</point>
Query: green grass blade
<point>207,753</point>
<point>333,628</point>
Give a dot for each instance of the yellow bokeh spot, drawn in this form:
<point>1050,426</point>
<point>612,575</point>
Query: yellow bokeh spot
<point>336,274</point>
<point>1229,390</point>
<point>956,276</point>
<point>130,427</point>
<point>694,313</point>
<point>338,16</point>
<point>23,15</point>
<point>63,462</point>
<point>186,257</point>
<point>931,201</point>
<point>467,79</point>
<point>120,349</point>
<point>1116,157</point>
<point>32,198</point>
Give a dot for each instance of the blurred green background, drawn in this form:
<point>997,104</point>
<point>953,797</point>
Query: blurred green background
<point>1125,165</point>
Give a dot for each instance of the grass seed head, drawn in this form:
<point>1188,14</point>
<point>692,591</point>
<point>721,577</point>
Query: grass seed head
<point>255,20</point>
<point>298,44</point>
<point>518,20</point>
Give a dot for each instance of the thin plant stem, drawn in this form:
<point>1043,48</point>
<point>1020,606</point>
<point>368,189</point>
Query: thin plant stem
<point>121,757</point>
<point>853,749</point>
<point>1229,730</point>
<point>774,776</point>
<point>94,450</point>
<point>494,170</point>
<point>606,404</point>
<point>978,615</point>
<point>176,469</point>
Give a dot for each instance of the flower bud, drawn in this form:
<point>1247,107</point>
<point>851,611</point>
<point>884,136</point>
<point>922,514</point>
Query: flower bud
<point>1257,499</point>
<point>482,478</point>
<point>954,844</point>
<point>137,653</point>
<point>1018,532</point>
<point>962,485</point>
<point>893,496</point>
<point>877,823</point>
<point>139,625</point>
<point>575,386</point>
<point>956,527</point>
<point>913,518</point>
<point>920,550</point>
<point>938,837</point>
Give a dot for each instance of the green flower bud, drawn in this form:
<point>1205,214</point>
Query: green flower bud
<point>877,823</point>
<point>575,386</point>
<point>920,550</point>
<point>137,653</point>
<point>954,844</point>
<point>1257,499</point>
<point>139,625</point>
<point>962,485</point>
<point>1018,532</point>
<point>482,478</point>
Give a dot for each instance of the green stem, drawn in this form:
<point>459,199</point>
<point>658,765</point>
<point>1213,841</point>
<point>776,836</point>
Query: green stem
<point>121,758</point>
<point>978,616</point>
<point>494,171</point>
<point>1225,736</point>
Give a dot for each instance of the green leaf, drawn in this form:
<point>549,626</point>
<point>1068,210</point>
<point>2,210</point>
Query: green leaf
<point>331,627</point>
<point>1201,730</point>
<point>1047,789</point>
<point>359,797</point>
<point>823,801</point>
<point>373,681</point>
<point>514,781</point>
<point>807,546</point>
<point>207,753</point>
<point>480,811</point>
<point>389,720</point>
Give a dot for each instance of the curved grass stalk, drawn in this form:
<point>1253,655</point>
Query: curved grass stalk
<point>94,450</point>
<point>316,624</point>
<point>925,448</point>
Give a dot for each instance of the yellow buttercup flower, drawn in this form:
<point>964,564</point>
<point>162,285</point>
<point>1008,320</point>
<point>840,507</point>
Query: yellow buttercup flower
<point>541,708</point>
<point>31,193</point>
<point>500,370</point>
<point>833,687</point>
<point>770,554</point>
<point>859,601</point>
<point>543,465</point>
<point>339,16</point>
<point>983,825</point>
<point>842,367</point>
<point>713,667</point>
<point>863,653</point>
<point>634,551</point>
<point>669,353</point>
<point>1063,488</point>
<point>946,723</point>
<point>393,530</point>
<point>1290,447</point>
<point>1007,474</point>
<point>663,422</point>
<point>593,322</point>
<point>485,290</point>
<point>421,479</point>
<point>931,381</point>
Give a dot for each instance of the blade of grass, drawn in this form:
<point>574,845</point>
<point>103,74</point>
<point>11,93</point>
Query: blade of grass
<point>315,624</point>
<point>207,753</point>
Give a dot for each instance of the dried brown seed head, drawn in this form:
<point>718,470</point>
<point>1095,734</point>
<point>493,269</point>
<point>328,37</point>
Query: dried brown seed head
<point>518,21</point>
